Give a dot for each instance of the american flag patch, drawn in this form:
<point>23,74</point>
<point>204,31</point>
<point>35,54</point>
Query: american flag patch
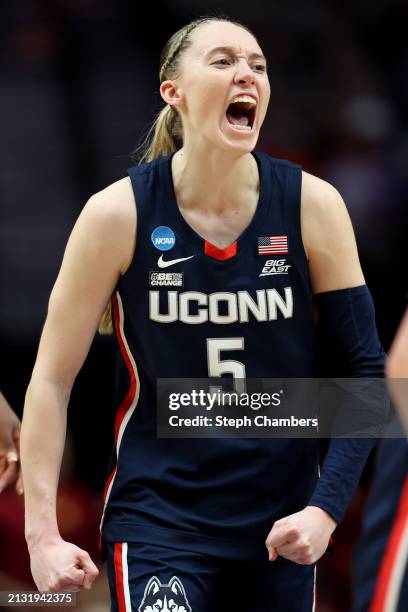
<point>269,245</point>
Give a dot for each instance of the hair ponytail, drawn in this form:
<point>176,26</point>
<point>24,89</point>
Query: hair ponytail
<point>164,137</point>
<point>105,324</point>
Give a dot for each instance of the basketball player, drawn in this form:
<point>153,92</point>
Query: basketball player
<point>381,558</point>
<point>212,254</point>
<point>9,447</point>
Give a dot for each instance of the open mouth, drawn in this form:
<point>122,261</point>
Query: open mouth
<point>241,114</point>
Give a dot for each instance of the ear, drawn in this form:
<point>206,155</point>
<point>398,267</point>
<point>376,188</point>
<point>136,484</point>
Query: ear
<point>152,586</point>
<point>176,586</point>
<point>171,94</point>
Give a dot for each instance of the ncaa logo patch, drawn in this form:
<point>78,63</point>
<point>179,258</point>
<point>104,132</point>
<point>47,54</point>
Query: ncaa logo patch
<point>165,597</point>
<point>163,238</point>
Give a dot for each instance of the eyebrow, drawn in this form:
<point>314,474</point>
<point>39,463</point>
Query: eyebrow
<point>232,50</point>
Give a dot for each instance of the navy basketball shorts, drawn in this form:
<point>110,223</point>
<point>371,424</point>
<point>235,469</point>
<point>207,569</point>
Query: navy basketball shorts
<point>149,578</point>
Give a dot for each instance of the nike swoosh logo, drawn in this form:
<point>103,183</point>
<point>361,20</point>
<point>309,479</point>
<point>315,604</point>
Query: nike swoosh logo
<point>165,264</point>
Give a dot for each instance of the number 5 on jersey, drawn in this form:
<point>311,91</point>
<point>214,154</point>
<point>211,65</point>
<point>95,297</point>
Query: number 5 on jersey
<point>217,366</point>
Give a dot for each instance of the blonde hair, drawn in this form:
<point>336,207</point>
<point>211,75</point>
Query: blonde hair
<point>166,133</point>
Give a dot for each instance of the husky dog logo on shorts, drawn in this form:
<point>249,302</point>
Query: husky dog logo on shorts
<point>164,597</point>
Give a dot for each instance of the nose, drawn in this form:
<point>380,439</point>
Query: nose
<point>244,74</point>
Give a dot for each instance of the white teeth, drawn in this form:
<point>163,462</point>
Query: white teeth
<point>245,98</point>
<point>242,128</point>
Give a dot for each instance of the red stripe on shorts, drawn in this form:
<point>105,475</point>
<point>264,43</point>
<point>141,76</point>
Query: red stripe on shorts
<point>120,590</point>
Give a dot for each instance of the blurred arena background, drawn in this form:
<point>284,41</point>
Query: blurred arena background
<point>78,88</point>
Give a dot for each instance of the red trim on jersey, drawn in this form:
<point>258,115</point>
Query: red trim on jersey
<point>221,254</point>
<point>391,553</point>
<point>110,478</point>
<point>130,395</point>
<point>120,591</point>
<point>105,495</point>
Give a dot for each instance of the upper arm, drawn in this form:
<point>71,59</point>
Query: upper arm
<point>328,237</point>
<point>99,249</point>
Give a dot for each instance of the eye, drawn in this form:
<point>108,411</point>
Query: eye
<point>223,61</point>
<point>259,67</point>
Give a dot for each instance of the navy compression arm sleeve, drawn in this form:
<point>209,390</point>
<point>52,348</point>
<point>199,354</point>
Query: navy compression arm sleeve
<point>346,318</point>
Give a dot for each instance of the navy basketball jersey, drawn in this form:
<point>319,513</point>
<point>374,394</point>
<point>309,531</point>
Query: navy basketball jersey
<point>184,308</point>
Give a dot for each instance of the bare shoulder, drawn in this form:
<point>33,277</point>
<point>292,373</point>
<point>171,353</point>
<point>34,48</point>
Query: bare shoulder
<point>328,237</point>
<point>319,196</point>
<point>115,202</point>
<point>111,213</point>
<point>323,212</point>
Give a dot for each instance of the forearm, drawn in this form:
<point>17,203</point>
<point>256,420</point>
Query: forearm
<point>341,471</point>
<point>42,445</point>
<point>347,318</point>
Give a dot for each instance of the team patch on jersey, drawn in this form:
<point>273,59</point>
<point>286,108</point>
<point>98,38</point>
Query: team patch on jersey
<point>269,245</point>
<point>158,596</point>
<point>166,279</point>
<point>163,238</point>
<point>275,266</point>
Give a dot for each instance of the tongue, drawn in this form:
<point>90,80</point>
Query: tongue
<point>239,120</point>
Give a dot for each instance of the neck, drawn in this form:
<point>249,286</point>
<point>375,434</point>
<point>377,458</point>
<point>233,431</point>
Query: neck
<point>214,181</point>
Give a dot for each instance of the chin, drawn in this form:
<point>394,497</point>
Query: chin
<point>230,141</point>
<point>237,139</point>
<point>240,146</point>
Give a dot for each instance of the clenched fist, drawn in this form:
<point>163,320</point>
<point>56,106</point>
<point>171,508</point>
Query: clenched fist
<point>57,565</point>
<point>301,537</point>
